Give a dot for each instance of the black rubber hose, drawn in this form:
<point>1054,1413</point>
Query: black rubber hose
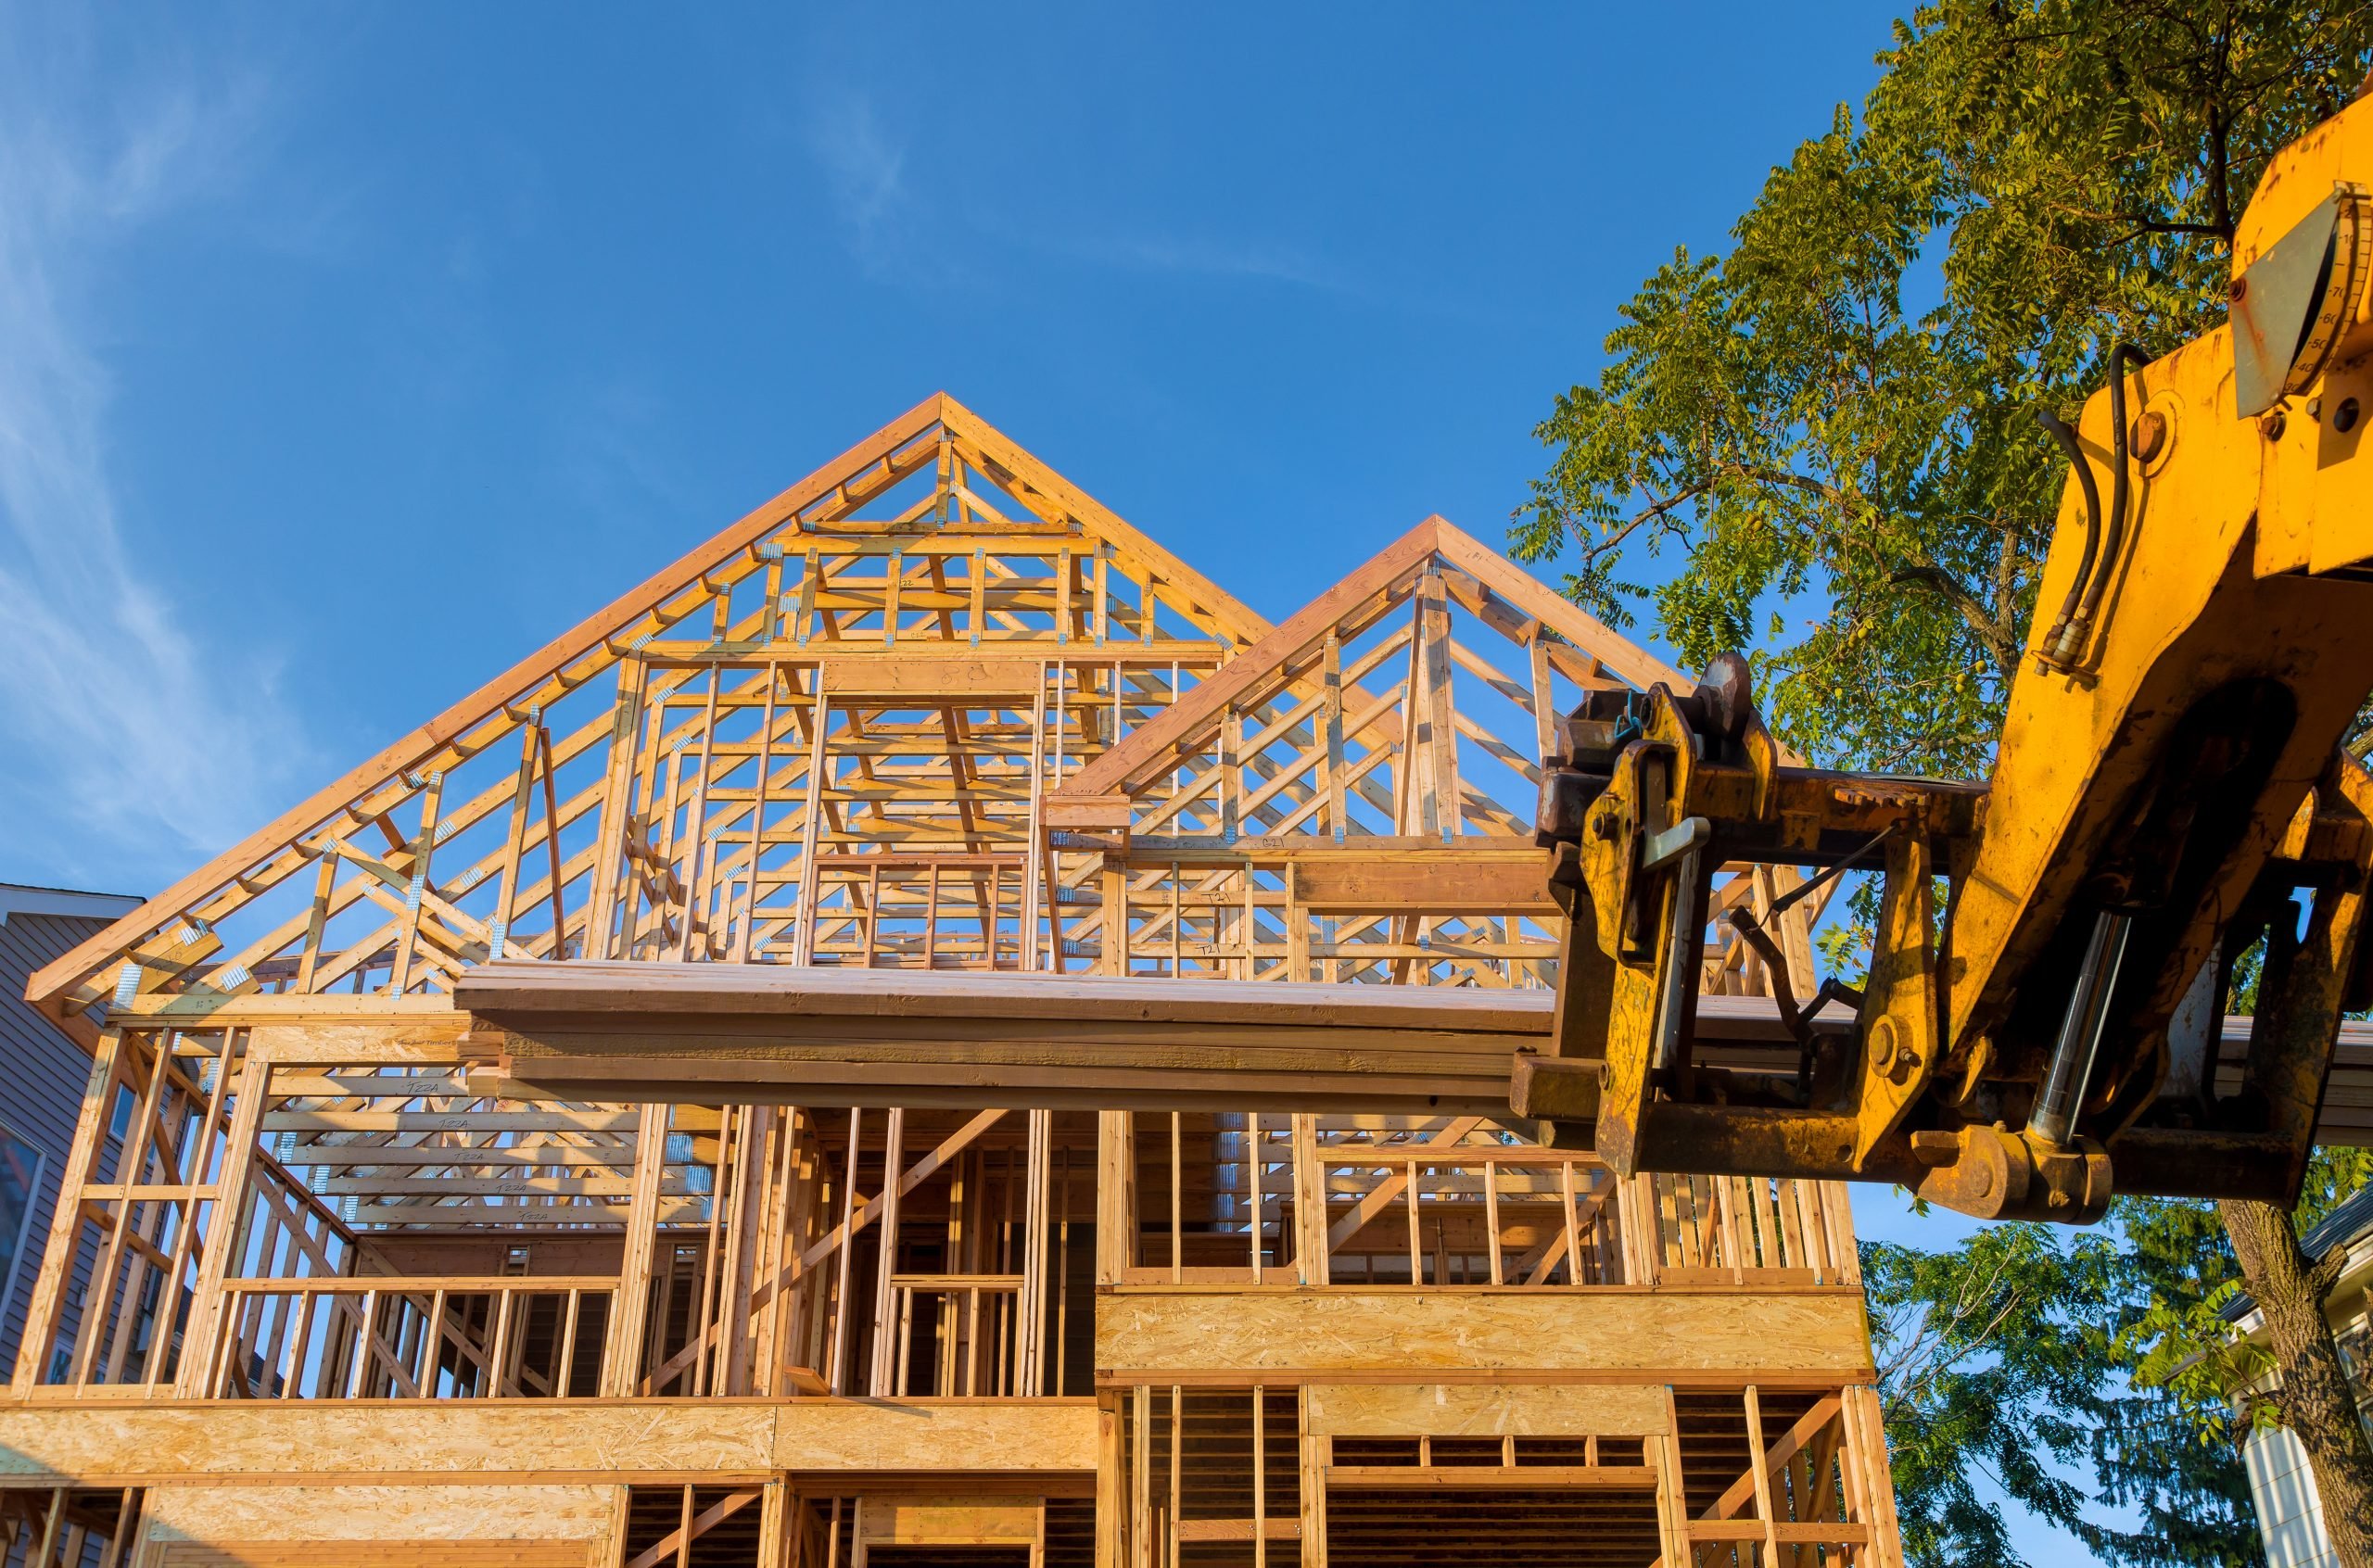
<point>2114,539</point>
<point>2058,429</point>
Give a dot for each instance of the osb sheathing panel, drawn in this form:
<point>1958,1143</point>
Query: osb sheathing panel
<point>1660,1331</point>
<point>215,1512</point>
<point>857,1434</point>
<point>894,1521</point>
<point>1465,1409</point>
<point>125,1444</point>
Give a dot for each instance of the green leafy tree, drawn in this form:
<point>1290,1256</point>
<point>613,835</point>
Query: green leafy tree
<point>2184,1344</point>
<point>2002,1369</point>
<point>1822,442</point>
<point>1841,405</point>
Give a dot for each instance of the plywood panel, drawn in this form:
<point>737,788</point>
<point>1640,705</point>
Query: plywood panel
<point>879,1434</point>
<point>1147,1331</point>
<point>896,1521</point>
<point>134,1445</point>
<point>480,1514</point>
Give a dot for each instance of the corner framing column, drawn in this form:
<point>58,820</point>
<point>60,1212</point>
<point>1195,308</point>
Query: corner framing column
<point>66,1220</point>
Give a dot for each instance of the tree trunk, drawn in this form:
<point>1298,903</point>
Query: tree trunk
<point>2314,1398</point>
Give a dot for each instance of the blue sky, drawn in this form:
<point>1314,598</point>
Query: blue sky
<point>348,354</point>
<point>352,353</point>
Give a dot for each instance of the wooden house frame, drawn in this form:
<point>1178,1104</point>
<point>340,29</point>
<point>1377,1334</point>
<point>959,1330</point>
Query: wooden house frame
<point>926,1032</point>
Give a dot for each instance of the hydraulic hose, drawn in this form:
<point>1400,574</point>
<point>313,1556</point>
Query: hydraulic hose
<point>2077,464</point>
<point>2113,536</point>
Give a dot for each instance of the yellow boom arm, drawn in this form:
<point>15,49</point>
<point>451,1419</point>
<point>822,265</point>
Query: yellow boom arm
<point>2040,1020</point>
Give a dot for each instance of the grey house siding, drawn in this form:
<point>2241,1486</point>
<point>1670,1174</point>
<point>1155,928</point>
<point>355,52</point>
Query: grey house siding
<point>42,1078</point>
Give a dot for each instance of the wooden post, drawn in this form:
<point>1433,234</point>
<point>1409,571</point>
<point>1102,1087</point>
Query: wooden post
<point>1446,813</point>
<point>1315,1453</point>
<point>885,1320</point>
<point>1253,1161</point>
<point>819,710</point>
<point>775,1544</point>
<point>1333,679</point>
<point>224,1233</point>
<point>1756,1451</point>
<point>1544,705</point>
<point>1031,1313</point>
<point>506,897</point>
<point>1672,1496</point>
<point>699,865</point>
<point>1866,1440</point>
<point>1309,1203</point>
<point>423,848</point>
<point>1846,1259</point>
<point>838,1376</point>
<point>1110,1549</point>
<point>46,1553</point>
<point>630,1313</point>
<point>1034,893</point>
<point>611,867</point>
<point>1116,1207</point>
<point>65,1220</point>
<point>1261,1470</point>
<point>1112,952</point>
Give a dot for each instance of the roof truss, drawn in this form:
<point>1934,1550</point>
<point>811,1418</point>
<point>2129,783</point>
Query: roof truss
<point>1350,800</point>
<point>543,802</point>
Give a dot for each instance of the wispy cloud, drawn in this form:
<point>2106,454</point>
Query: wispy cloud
<point>910,220</point>
<point>863,161</point>
<point>865,167</point>
<point>129,743</point>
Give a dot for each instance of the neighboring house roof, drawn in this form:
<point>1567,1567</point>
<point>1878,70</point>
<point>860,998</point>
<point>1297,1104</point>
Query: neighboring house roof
<point>22,898</point>
<point>2352,1221</point>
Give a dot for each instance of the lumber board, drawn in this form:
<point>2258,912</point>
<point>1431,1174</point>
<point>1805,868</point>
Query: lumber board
<point>1150,1334</point>
<point>958,1081</point>
<point>1425,883</point>
<point>503,1553</point>
<point>515,986</point>
<point>1526,1478</point>
<point>90,1443</point>
<point>912,676</point>
<point>486,1512</point>
<point>1467,1409</point>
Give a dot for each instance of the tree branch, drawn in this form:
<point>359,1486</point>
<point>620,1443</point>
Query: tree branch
<point>1591,552</point>
<point>1972,609</point>
<point>2323,1272</point>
